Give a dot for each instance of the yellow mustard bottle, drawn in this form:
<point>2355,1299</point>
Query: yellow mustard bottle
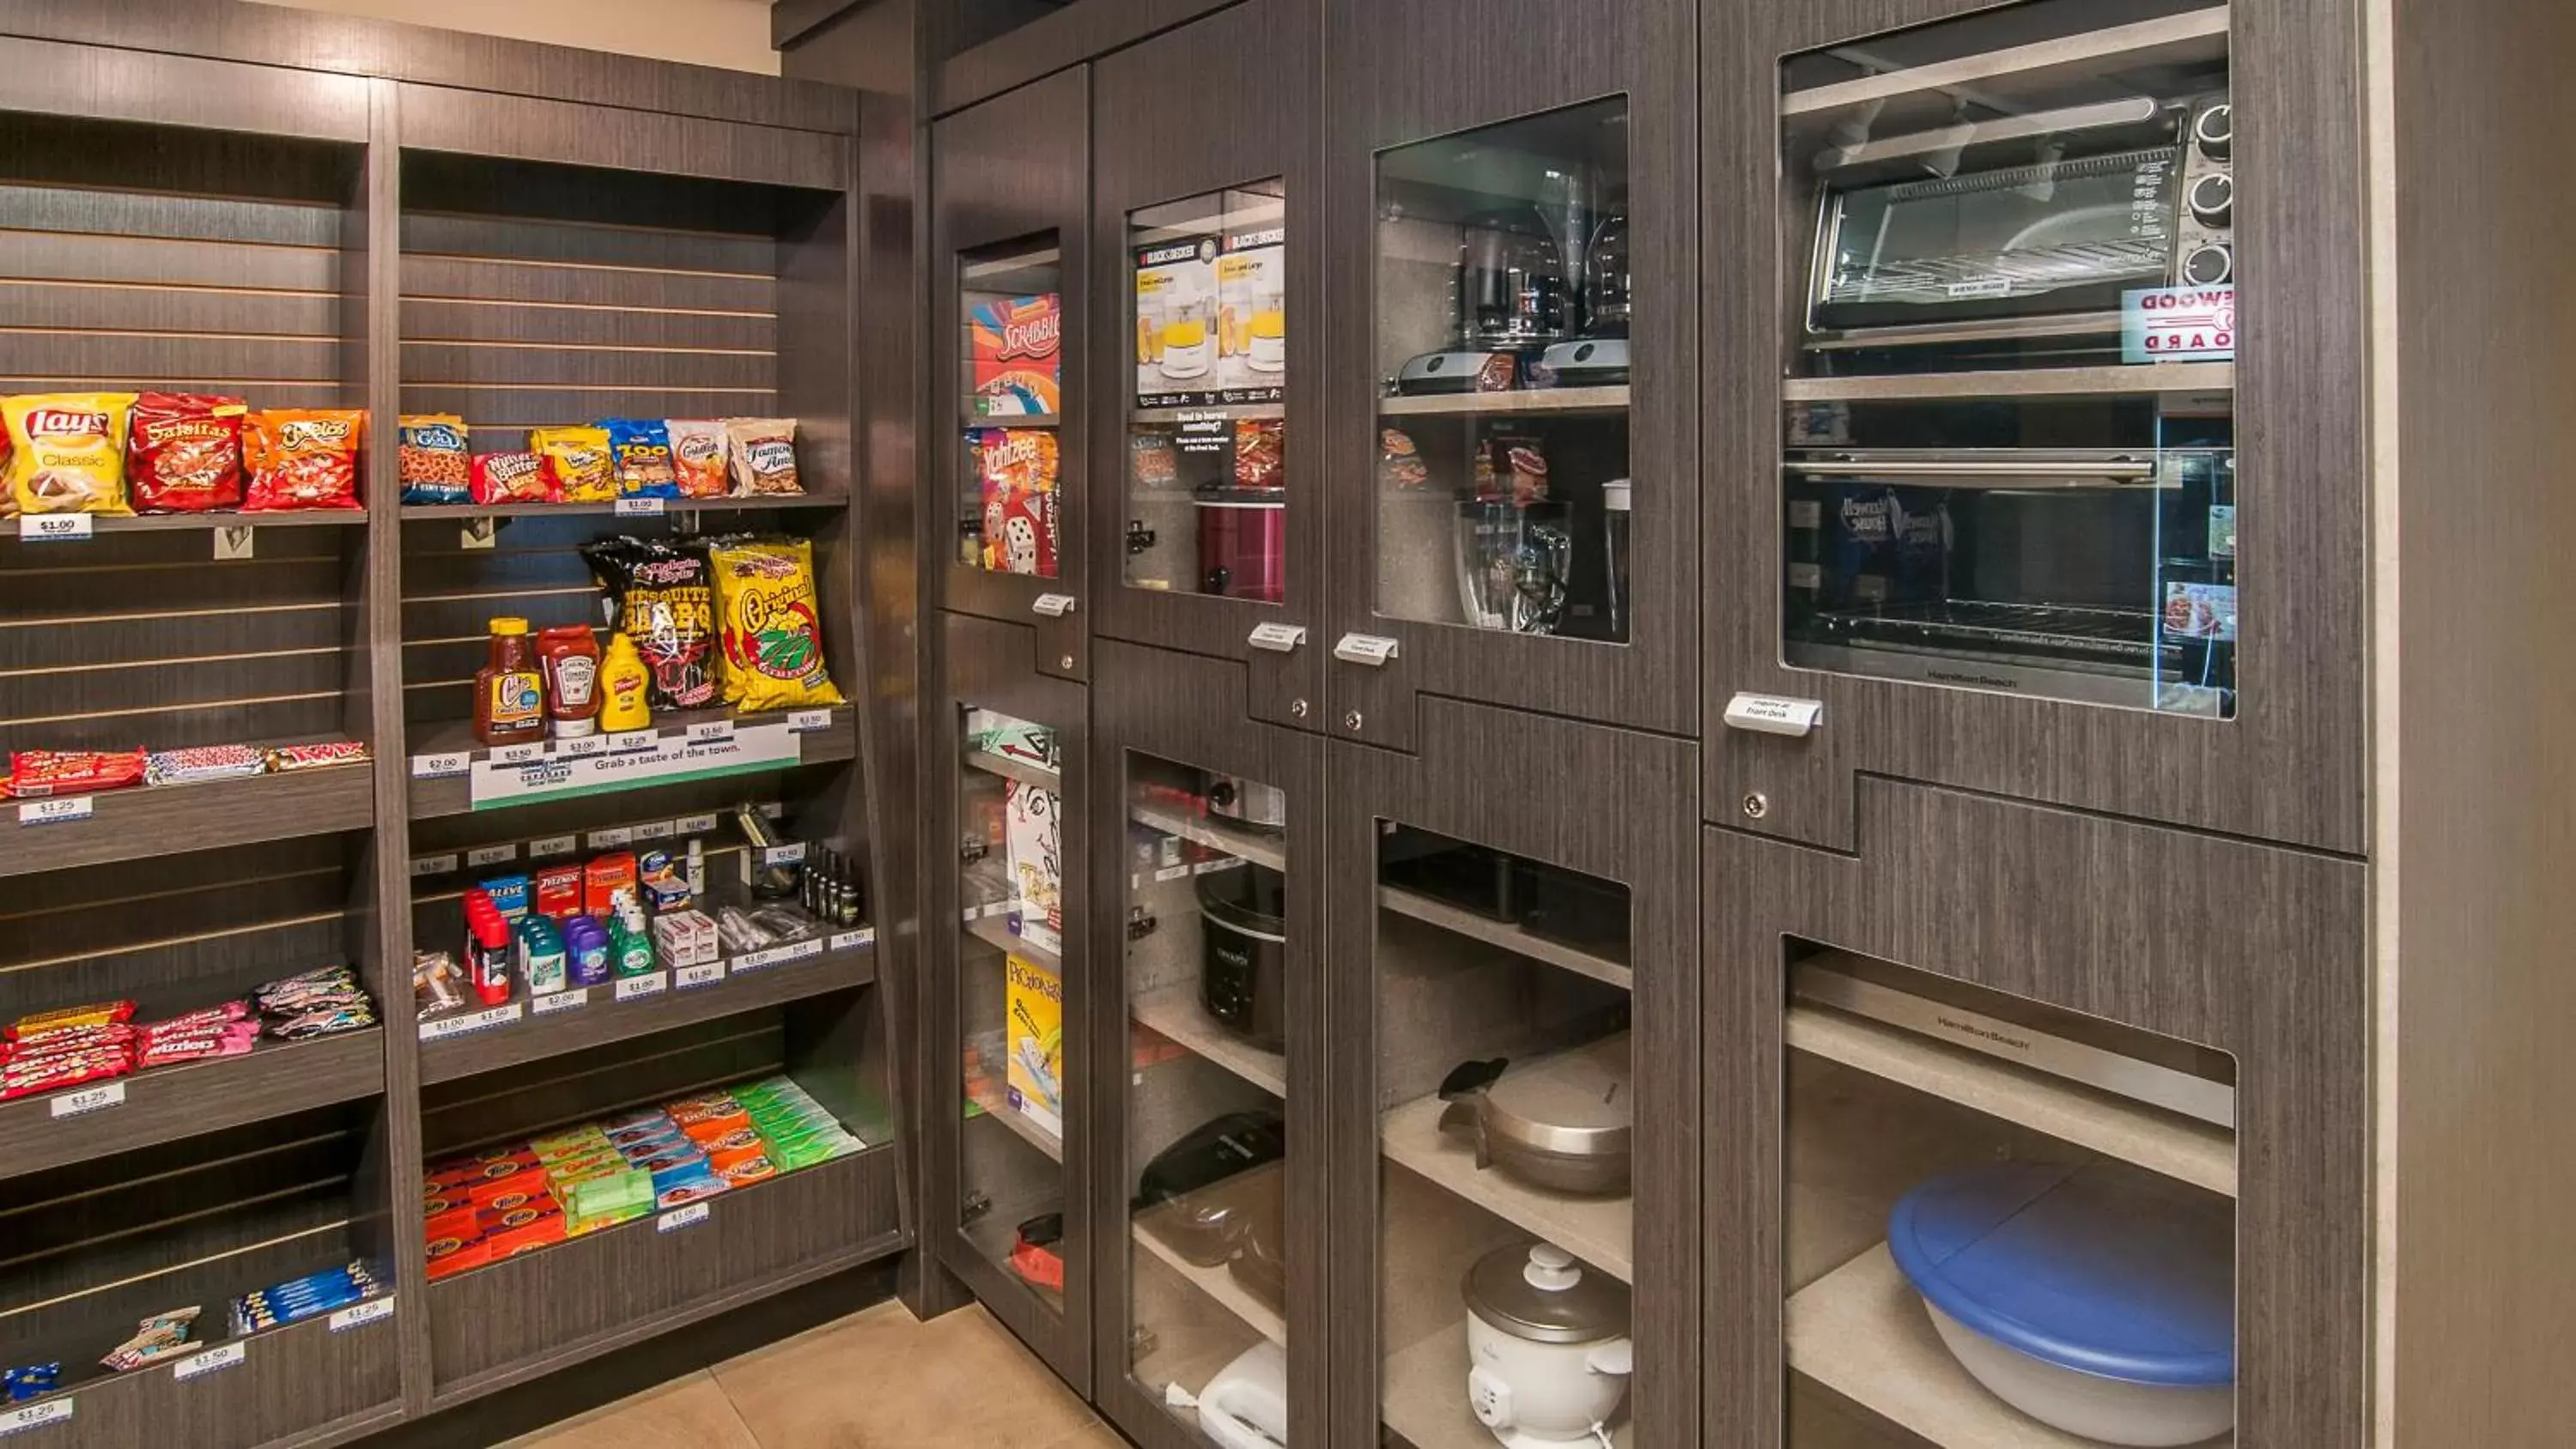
<point>622,680</point>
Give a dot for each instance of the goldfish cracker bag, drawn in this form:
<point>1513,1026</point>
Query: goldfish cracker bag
<point>67,451</point>
<point>770,626</point>
<point>578,463</point>
<point>303,458</point>
<point>698,448</point>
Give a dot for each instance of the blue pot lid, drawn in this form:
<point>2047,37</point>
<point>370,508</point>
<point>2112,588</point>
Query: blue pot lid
<point>2104,1269</point>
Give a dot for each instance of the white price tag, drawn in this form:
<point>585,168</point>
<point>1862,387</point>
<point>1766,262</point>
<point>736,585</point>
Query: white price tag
<point>711,732</point>
<point>678,1218</point>
<point>1171,872</point>
<point>96,1099</point>
<point>211,1361</point>
<point>433,865</point>
<point>806,721</point>
<point>554,1001</point>
<point>706,975</point>
<point>631,740</point>
<point>521,754</point>
<point>55,812</point>
<point>374,1310</point>
<point>852,940</point>
<point>447,1026</point>
<point>657,830</point>
<point>697,824</point>
<point>552,846</point>
<point>611,838</point>
<point>651,985</point>
<point>583,745</point>
<point>779,955</point>
<point>55,527</point>
<point>641,507</point>
<point>437,767</point>
<point>792,853</point>
<point>491,855</point>
<point>35,1416</point>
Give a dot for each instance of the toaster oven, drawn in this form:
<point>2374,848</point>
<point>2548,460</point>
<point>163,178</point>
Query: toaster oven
<point>2026,229</point>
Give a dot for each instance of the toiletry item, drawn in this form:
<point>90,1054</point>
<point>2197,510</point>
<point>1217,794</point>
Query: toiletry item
<point>697,869</point>
<point>623,687</point>
<point>541,956</point>
<point>606,881</point>
<point>630,946</point>
<point>586,960</point>
<point>488,950</point>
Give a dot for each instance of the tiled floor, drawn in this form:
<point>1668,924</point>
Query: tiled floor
<point>878,1380</point>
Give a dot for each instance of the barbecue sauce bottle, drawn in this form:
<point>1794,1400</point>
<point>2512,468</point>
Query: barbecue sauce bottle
<point>509,693</point>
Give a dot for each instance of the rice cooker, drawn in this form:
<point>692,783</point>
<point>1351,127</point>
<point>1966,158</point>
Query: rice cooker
<point>1246,1405</point>
<point>1548,1353</point>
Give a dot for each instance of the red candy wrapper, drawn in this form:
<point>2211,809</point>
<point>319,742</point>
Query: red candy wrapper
<point>37,774</point>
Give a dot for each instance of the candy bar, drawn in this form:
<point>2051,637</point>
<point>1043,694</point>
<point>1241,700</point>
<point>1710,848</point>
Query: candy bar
<point>56,1074</point>
<point>286,759</point>
<point>35,774</point>
<point>100,1014</point>
<point>157,1337</point>
<point>205,762</point>
<point>28,1381</point>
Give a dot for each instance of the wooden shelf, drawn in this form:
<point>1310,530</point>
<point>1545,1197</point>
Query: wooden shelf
<point>995,931</point>
<point>1260,847</point>
<point>432,797</point>
<point>1862,1332</point>
<point>1600,1231</point>
<point>2171,40</point>
<point>1021,1125</point>
<point>1175,1012</point>
<point>101,523</point>
<point>1010,769</point>
<point>150,820</point>
<point>1518,400</point>
<point>165,1104</point>
<point>300,1384</point>
<point>2179,1147</point>
<point>467,512</point>
<point>1423,1395</point>
<point>532,1036</point>
<point>1219,1285</point>
<point>1506,934</point>
<point>2151,379</point>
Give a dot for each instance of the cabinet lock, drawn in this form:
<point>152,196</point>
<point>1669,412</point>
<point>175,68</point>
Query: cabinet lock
<point>1139,537</point>
<point>1140,924</point>
<point>972,849</point>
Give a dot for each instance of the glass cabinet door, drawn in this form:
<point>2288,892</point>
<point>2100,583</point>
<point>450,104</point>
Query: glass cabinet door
<point>1012,388</point>
<point>2009,450</point>
<point>1214,1005</point>
<point>2005,1223</point>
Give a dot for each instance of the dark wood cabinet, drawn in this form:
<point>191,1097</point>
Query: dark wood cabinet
<point>1210,1259</point>
<point>1476,159</point>
<point>1213,131</point>
<point>1010,214</point>
<point>2286,759</point>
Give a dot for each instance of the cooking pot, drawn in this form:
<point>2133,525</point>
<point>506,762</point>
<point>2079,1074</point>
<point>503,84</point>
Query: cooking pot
<point>1562,1123</point>
<point>1243,958</point>
<point>1548,1353</point>
<point>1203,1194</point>
<point>1247,802</point>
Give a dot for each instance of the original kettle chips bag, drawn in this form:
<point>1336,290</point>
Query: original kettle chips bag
<point>67,451</point>
<point>770,625</point>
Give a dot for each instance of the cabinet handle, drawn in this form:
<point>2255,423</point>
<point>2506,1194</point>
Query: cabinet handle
<point>1278,638</point>
<point>1054,606</point>
<point>1372,650</point>
<point>1773,714</point>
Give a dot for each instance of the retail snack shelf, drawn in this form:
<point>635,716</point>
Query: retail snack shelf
<point>2179,1147</point>
<point>1019,1124</point>
<point>529,1315</point>
<point>2171,40</point>
<point>1599,1230</point>
<point>1010,769</point>
<point>1211,410</point>
<point>1515,400</point>
<point>144,821</point>
<point>628,508</point>
<point>186,522</point>
<point>466,1044</point>
<point>995,932</point>
<point>164,1104</point>
<point>1861,1331</point>
<point>681,745</point>
<point>1506,934</point>
<point>2149,379</point>
<point>308,1383</point>
<point>1175,1012</point>
<point>1260,847</point>
<point>1217,1284</point>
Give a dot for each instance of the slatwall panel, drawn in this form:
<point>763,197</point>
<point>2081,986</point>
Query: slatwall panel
<point>131,259</point>
<point>538,295</point>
